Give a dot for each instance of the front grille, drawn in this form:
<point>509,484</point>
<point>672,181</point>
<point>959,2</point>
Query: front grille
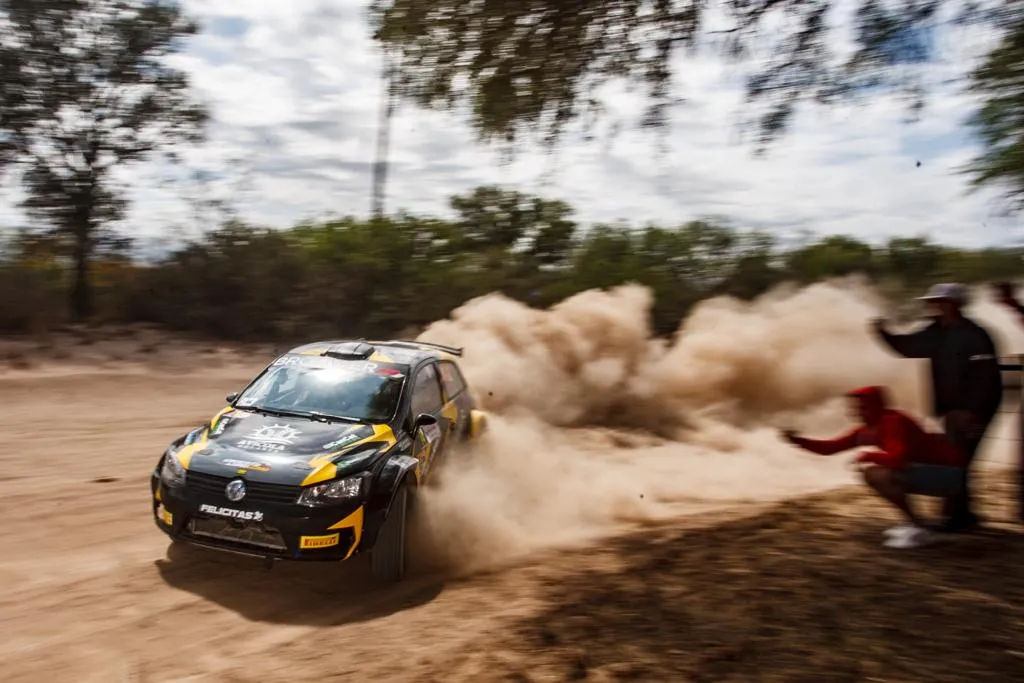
<point>255,535</point>
<point>212,486</point>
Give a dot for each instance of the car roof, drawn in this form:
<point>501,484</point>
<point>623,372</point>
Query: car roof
<point>401,351</point>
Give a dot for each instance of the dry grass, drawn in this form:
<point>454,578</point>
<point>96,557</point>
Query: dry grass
<point>804,592</point>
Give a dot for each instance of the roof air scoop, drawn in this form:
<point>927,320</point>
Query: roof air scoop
<point>350,351</point>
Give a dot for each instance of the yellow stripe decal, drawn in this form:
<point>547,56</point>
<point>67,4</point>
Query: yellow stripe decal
<point>184,456</point>
<point>354,522</point>
<point>186,453</point>
<point>218,416</point>
<point>322,473</point>
<point>325,470</point>
<point>450,411</point>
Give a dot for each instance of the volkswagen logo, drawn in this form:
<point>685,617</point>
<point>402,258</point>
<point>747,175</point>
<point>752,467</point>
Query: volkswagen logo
<point>235,490</point>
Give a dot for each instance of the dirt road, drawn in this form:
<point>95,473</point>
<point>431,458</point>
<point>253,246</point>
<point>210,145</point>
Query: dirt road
<point>92,593</point>
<point>96,594</point>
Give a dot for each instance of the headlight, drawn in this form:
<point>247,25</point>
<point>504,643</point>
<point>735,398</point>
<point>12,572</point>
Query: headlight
<point>172,473</point>
<point>332,492</point>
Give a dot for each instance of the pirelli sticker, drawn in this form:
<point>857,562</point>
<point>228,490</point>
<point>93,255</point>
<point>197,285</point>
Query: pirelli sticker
<point>311,542</point>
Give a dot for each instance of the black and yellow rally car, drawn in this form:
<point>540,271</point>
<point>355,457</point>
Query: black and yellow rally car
<point>316,459</point>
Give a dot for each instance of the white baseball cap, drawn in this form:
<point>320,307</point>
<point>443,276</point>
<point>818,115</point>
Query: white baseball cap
<point>950,291</point>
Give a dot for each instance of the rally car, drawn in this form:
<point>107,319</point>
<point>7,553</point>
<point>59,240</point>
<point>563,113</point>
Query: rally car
<point>319,456</point>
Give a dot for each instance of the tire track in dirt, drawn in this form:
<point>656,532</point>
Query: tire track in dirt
<point>102,596</point>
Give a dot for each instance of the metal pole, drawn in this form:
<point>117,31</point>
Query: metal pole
<point>387,110</point>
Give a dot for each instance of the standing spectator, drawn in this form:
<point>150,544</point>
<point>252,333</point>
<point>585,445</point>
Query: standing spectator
<point>967,386</point>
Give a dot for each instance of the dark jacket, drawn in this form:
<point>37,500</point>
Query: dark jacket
<point>964,366</point>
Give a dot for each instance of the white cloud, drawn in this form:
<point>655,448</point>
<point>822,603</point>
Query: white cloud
<point>296,96</point>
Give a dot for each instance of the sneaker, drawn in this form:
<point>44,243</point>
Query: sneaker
<point>914,537</point>
<point>898,530</point>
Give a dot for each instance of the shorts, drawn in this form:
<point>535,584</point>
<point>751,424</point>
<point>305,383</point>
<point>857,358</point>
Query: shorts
<point>940,481</point>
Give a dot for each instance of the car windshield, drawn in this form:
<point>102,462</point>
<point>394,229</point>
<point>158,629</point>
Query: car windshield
<point>353,389</point>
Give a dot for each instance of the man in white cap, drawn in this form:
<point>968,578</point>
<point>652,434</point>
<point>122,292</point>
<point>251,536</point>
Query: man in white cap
<point>967,385</point>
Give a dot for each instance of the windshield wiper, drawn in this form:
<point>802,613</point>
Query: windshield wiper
<point>328,417</point>
<point>309,415</point>
<point>276,411</point>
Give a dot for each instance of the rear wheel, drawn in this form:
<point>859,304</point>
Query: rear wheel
<point>387,558</point>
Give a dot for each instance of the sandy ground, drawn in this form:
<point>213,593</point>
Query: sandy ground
<point>96,594</point>
<point>797,592</point>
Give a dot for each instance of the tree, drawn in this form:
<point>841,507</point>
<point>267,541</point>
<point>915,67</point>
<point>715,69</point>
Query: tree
<point>85,91</point>
<point>914,260</point>
<point>533,66</point>
<point>834,256</point>
<point>492,218</point>
<point>1000,120</point>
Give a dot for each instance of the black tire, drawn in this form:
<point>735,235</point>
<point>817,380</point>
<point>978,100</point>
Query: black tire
<point>387,558</point>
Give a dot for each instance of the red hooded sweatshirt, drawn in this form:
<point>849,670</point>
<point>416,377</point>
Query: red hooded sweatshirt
<point>897,438</point>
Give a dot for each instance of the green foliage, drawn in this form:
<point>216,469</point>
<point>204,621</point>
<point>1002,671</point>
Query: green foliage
<point>1000,120</point>
<point>352,277</point>
<point>836,255</point>
<point>534,66</point>
<point>85,90</point>
<point>523,67</point>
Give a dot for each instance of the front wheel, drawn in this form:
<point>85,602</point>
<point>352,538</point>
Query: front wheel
<point>387,558</point>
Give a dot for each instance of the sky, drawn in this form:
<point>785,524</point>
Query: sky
<point>294,89</point>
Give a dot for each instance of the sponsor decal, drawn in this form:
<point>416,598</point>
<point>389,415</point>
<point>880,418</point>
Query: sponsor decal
<point>432,432</point>
<point>300,361</point>
<point>347,439</point>
<point>245,515</point>
<point>269,438</point>
<point>247,465</point>
<point>259,446</point>
<point>322,362</point>
<point>221,425</point>
<point>309,542</point>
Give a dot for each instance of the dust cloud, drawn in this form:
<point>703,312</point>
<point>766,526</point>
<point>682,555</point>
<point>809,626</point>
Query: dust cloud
<point>595,422</point>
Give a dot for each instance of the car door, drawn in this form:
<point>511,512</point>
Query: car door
<point>458,401</point>
<point>427,397</point>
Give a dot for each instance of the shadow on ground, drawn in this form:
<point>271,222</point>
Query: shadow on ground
<point>804,592</point>
<point>306,593</point>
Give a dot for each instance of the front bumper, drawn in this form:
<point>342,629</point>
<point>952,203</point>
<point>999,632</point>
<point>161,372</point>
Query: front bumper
<point>269,530</point>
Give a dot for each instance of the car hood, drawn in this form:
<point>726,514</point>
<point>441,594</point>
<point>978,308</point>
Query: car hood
<point>282,450</point>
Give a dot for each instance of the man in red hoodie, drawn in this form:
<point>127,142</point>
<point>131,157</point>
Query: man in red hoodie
<point>904,459</point>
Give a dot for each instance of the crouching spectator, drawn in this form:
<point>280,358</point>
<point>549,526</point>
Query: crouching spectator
<point>904,460</point>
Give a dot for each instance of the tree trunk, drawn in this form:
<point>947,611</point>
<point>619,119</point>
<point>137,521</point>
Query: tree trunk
<point>81,289</point>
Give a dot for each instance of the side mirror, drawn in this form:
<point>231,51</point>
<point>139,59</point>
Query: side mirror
<point>230,398</point>
<point>424,419</point>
